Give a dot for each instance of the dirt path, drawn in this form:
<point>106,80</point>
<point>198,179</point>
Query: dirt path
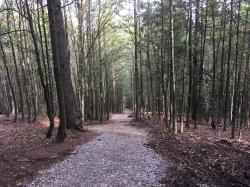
<point>117,157</point>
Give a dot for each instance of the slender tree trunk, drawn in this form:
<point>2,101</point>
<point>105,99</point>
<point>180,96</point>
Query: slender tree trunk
<point>50,76</point>
<point>242,102</point>
<point>183,85</point>
<point>201,69</point>
<point>141,68</point>
<point>81,58</point>
<point>137,107</point>
<point>190,61</point>
<point>195,73</point>
<point>16,66</point>
<point>163,65</point>
<point>221,87</point>
<point>227,101</point>
<point>10,82</point>
<point>23,62</point>
<point>236,86</point>
<point>100,63</point>
<point>40,72</point>
<point>172,70</point>
<point>213,98</point>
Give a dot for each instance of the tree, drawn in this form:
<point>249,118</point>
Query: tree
<point>172,71</point>
<point>57,68</point>
<point>40,71</point>
<point>136,78</point>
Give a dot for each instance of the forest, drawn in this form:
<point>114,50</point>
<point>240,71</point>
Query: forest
<point>174,72</point>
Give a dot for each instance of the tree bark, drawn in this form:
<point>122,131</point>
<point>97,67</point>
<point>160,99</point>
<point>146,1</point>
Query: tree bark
<point>71,109</point>
<point>60,95</point>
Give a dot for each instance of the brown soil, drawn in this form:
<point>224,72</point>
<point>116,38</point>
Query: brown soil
<point>203,156</point>
<point>24,150</point>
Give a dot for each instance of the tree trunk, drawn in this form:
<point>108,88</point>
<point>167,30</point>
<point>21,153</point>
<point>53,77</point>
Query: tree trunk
<point>213,97</point>
<point>226,101</point>
<point>172,70</point>
<point>9,80</point>
<point>60,95</point>
<point>137,107</point>
<point>71,109</point>
<point>40,72</point>
<point>16,66</point>
<point>236,83</point>
<point>190,61</point>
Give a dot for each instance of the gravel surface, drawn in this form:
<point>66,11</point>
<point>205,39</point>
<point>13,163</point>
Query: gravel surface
<point>117,157</point>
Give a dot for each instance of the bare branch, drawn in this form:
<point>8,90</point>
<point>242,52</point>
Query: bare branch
<point>9,32</point>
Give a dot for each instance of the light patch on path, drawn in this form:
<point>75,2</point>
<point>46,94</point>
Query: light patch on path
<point>115,158</point>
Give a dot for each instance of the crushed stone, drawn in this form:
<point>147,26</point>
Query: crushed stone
<point>116,157</point>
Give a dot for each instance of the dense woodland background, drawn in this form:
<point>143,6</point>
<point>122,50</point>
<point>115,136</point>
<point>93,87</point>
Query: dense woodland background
<point>184,62</point>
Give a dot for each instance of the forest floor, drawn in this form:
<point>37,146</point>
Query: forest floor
<point>24,150</point>
<point>119,154</point>
<point>202,157</point>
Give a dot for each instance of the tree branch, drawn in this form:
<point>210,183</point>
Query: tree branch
<point>9,32</point>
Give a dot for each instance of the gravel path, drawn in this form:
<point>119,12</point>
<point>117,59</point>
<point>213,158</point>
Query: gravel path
<point>117,157</point>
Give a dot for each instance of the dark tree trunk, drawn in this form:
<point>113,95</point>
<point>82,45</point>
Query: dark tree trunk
<point>71,109</point>
<point>9,80</point>
<point>40,72</point>
<point>213,97</point>
<point>137,107</point>
<point>190,61</point>
<point>60,95</point>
